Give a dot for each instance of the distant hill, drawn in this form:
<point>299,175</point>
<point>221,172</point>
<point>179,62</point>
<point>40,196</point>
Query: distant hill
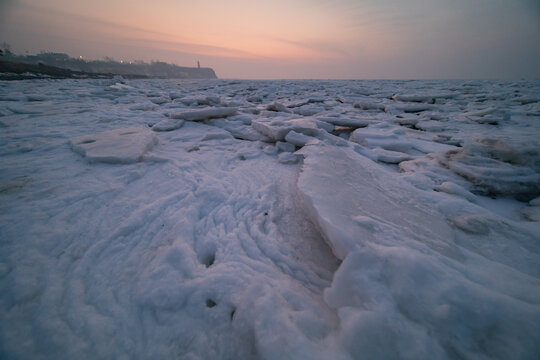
<point>139,69</point>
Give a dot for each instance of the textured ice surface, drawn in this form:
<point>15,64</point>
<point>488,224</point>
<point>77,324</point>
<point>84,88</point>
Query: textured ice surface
<point>270,219</point>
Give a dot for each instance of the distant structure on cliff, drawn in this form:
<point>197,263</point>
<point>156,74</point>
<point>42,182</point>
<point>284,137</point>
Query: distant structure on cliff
<point>155,69</point>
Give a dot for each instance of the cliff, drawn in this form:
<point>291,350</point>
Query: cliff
<point>155,69</point>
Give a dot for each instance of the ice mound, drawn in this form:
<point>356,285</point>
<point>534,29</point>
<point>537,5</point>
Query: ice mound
<point>120,146</point>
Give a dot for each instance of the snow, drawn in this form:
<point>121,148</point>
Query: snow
<point>226,219</point>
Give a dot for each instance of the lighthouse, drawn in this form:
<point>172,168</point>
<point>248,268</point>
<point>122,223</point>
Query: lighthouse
<point>198,64</point>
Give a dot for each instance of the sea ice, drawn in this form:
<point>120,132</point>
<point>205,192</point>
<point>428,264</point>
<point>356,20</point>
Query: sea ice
<point>378,239</point>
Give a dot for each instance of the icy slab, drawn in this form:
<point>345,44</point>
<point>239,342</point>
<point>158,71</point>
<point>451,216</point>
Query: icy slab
<point>199,115</point>
<point>352,202</point>
<point>277,129</point>
<point>120,146</point>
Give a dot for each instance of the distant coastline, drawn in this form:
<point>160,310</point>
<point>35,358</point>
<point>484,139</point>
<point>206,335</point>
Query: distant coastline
<point>60,65</point>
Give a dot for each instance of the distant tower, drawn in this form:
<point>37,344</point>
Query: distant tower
<point>198,64</point>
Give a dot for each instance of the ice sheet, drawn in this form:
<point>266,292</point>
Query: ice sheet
<point>269,219</point>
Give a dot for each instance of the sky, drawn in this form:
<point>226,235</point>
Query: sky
<point>277,39</point>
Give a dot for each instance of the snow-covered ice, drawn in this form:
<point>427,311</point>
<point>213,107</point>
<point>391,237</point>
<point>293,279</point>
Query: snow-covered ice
<point>221,219</point>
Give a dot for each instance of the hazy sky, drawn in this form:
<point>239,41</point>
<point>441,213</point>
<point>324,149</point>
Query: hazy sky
<point>355,39</point>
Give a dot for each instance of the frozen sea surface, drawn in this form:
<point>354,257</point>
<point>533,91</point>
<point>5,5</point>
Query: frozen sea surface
<point>219,219</point>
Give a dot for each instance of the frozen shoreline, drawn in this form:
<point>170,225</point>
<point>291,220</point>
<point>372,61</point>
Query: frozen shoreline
<point>269,219</point>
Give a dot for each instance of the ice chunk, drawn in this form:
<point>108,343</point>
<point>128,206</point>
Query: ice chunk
<point>531,213</point>
<point>395,139</point>
<point>365,105</point>
<point>217,134</point>
<point>288,158</point>
<point>473,224</point>
<point>412,108</point>
<point>397,303</point>
<point>279,128</point>
<point>120,87</point>
<point>482,112</point>
<point>415,98</point>
<point>143,107</point>
<point>278,107</point>
<point>387,156</point>
<point>198,115</point>
<point>160,100</point>
<point>491,167</point>
<point>270,150</point>
<point>298,139</point>
<point>490,115</point>
<point>353,123</point>
<point>199,100</point>
<point>455,189</point>
<point>246,133</point>
<point>285,146</point>
<point>389,139</point>
<point>168,125</point>
<point>120,146</point>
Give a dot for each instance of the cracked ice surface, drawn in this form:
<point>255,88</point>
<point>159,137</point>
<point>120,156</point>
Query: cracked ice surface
<point>269,219</point>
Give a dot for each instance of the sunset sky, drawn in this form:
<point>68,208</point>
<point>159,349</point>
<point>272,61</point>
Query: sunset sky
<point>354,39</point>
